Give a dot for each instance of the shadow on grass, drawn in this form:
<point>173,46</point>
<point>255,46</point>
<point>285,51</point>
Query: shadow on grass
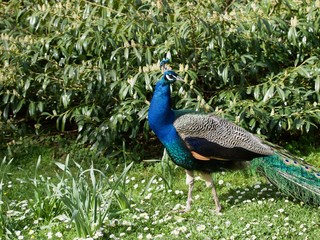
<point>254,193</point>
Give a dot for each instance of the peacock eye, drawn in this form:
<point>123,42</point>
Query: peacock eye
<point>170,77</point>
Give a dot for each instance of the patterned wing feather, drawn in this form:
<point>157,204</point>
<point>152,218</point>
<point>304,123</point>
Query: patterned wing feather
<point>212,137</point>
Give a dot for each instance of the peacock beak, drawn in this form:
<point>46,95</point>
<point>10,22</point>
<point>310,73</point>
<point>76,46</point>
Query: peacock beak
<point>178,78</point>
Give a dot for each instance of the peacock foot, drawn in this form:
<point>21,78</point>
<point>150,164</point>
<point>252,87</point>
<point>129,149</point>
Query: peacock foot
<point>218,209</point>
<point>187,209</point>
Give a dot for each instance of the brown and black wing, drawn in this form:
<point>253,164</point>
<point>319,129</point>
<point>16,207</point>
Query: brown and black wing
<point>209,137</point>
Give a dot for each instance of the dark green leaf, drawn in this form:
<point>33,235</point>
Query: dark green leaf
<point>32,108</point>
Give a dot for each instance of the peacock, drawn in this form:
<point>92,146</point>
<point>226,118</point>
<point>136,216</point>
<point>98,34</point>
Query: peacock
<point>207,143</point>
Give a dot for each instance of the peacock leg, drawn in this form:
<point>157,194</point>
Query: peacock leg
<point>209,183</point>
<point>190,182</point>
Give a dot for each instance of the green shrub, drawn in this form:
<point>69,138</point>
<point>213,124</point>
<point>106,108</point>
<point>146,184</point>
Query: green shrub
<point>91,66</point>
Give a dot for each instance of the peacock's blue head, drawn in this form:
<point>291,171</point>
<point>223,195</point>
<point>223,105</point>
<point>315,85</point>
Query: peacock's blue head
<point>170,76</point>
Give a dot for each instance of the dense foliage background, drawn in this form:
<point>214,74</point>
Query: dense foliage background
<point>89,67</point>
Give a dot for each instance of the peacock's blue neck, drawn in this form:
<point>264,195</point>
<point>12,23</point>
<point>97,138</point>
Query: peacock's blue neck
<point>161,118</point>
<point>160,115</point>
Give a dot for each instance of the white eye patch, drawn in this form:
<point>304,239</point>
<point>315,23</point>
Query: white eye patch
<point>170,77</point>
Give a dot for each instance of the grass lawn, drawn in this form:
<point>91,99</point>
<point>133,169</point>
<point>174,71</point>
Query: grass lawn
<point>52,197</point>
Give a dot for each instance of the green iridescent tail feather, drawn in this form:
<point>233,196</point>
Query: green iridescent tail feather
<point>292,176</point>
